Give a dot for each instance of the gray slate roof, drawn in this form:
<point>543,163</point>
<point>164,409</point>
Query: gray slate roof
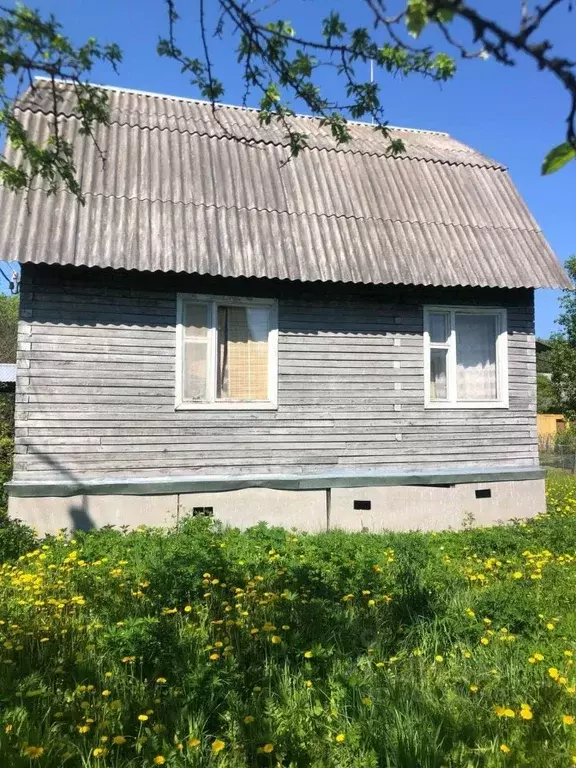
<point>178,192</point>
<point>7,373</point>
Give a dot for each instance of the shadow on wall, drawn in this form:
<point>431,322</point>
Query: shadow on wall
<point>80,519</point>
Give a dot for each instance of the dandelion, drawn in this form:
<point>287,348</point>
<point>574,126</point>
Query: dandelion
<point>308,654</point>
<point>161,680</point>
<point>553,672</point>
<point>568,719</point>
<point>526,712</point>
<point>550,626</point>
<point>187,608</point>
<point>119,740</point>
<point>217,746</point>
<point>83,729</point>
<point>439,659</point>
<point>99,752</point>
<point>532,660</point>
<point>474,688</point>
<point>517,575</point>
<point>267,748</point>
<point>504,748</point>
<point>142,718</point>
<point>276,639</point>
<point>106,693</point>
<point>539,657</point>
<point>504,712</point>
<point>340,738</point>
<point>308,683</point>
<point>484,641</point>
<point>214,656</point>
<point>193,743</point>
<point>159,760</point>
<point>34,753</point>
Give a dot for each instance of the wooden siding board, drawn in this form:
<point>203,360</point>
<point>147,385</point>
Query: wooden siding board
<point>96,368</point>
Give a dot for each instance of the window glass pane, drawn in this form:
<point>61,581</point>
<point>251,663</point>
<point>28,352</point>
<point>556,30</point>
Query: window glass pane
<point>476,357</point>
<point>195,370</point>
<point>439,327</point>
<point>242,353</point>
<point>196,320</point>
<point>438,383</point>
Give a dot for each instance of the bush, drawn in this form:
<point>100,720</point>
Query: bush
<point>214,647</point>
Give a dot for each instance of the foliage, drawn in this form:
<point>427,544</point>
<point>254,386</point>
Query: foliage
<point>8,328</point>
<point>6,445</point>
<point>214,647</point>
<point>31,45</point>
<point>279,66</point>
<point>547,401</point>
<point>562,354</point>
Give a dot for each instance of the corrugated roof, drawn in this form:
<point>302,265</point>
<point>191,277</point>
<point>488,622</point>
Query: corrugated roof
<point>179,192</point>
<point>7,373</point>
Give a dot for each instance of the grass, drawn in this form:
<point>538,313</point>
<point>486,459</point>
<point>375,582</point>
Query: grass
<point>212,647</point>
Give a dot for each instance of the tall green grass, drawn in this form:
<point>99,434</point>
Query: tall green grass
<point>213,647</point>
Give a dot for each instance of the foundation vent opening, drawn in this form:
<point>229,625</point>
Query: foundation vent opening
<point>483,493</point>
<point>202,511</point>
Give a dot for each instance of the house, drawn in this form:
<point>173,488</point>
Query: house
<point>342,340</point>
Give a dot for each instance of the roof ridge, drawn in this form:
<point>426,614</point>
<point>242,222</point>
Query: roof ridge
<point>240,107</point>
<point>339,216</point>
<point>352,148</point>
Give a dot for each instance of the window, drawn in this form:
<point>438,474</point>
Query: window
<point>227,352</point>
<point>466,359</point>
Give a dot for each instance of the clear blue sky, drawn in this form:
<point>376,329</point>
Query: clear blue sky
<point>512,114</point>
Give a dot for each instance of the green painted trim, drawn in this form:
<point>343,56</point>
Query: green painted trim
<point>202,484</point>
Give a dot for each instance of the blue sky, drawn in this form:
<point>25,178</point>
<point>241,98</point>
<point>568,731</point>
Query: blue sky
<point>512,114</point>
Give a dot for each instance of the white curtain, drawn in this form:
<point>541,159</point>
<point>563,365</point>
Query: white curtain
<point>476,357</point>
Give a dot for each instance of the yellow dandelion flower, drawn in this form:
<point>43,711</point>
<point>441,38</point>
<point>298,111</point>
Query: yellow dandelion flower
<point>439,659</point>
<point>474,688</point>
<point>308,654</point>
<point>276,639</point>
<point>550,626</point>
<point>193,743</point>
<point>214,656</point>
<point>532,660</point>
<point>553,672</point>
<point>159,760</point>
<point>539,657</point>
<point>308,683</point>
<point>119,740</point>
<point>83,729</point>
<point>517,575</point>
<point>187,608</point>
<point>484,641</point>
<point>142,718</point>
<point>160,680</point>
<point>106,693</point>
<point>34,753</point>
<point>568,719</point>
<point>267,748</point>
<point>526,712</point>
<point>248,719</point>
<point>340,738</point>
<point>217,746</point>
<point>99,752</point>
<point>504,748</point>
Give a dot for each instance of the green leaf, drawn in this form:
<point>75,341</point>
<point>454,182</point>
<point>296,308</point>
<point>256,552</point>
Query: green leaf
<point>558,157</point>
<point>416,16</point>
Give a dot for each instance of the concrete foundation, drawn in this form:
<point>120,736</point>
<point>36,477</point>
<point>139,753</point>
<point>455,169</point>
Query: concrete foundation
<point>372,508</point>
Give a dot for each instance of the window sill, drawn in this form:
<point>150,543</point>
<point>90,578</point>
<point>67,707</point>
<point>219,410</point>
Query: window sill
<point>476,405</point>
<point>225,406</point>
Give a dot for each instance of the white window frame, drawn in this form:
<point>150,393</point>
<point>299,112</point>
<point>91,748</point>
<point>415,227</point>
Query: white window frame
<point>501,358</point>
<point>211,404</point>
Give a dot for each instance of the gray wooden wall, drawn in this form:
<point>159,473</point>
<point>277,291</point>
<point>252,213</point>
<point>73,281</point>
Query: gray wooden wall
<point>95,391</point>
